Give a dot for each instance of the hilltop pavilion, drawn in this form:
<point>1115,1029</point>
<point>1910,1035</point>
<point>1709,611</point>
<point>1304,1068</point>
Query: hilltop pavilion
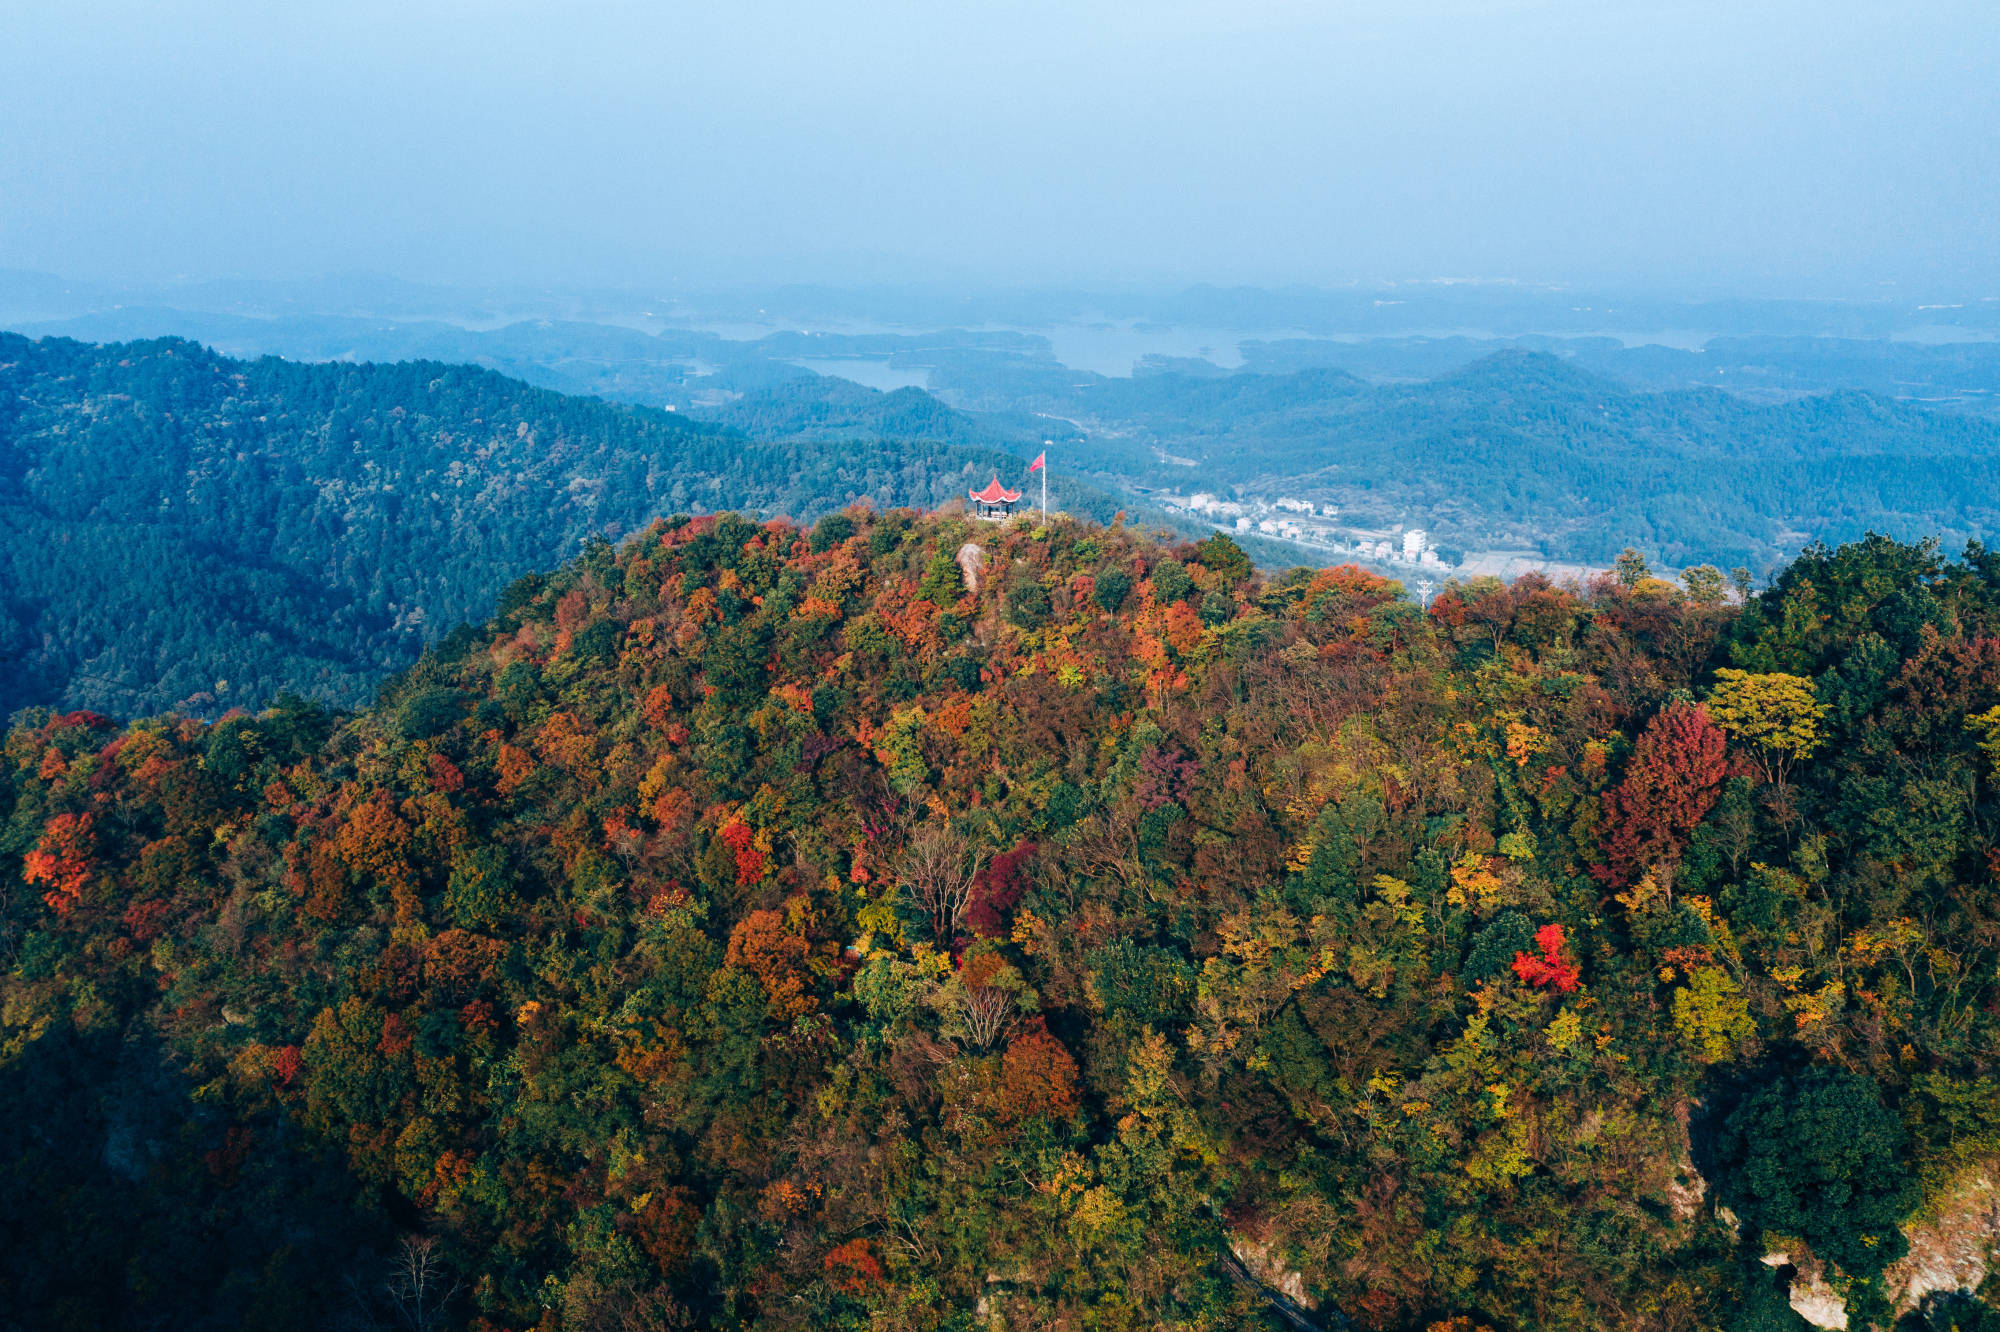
<point>995,503</point>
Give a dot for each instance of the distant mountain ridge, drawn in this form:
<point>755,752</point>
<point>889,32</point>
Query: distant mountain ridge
<point>1526,450</point>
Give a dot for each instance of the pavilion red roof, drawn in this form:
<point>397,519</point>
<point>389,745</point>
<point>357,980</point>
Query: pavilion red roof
<point>994,493</point>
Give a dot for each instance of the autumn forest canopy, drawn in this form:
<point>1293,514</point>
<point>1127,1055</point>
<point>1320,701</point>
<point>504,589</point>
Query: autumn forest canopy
<point>1110,667</point>
<point>908,922</point>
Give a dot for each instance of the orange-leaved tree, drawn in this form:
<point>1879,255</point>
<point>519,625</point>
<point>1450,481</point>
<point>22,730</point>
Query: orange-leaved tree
<point>61,860</point>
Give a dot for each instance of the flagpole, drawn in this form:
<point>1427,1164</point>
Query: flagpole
<point>1045,482</point>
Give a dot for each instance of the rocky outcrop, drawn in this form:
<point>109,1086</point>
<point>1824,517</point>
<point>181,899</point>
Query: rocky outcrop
<point>1952,1250</point>
<point>1812,1298</point>
<point>1686,1190</point>
<point>1260,1259</point>
<point>1818,1303</point>
<point>971,563</point>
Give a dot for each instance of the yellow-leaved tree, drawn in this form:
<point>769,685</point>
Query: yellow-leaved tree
<point>1775,715</point>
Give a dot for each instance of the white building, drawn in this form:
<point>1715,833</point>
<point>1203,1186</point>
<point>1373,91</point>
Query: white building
<point>1414,542</point>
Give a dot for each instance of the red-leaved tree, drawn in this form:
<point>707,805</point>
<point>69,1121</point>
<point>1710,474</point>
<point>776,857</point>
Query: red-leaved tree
<point>998,888</point>
<point>1552,968</point>
<point>1671,782</point>
<point>853,1268</point>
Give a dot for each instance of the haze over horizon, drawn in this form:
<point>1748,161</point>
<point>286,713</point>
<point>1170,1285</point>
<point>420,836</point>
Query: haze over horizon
<point>1784,149</point>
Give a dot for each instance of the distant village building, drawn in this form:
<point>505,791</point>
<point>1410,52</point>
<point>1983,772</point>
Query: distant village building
<point>995,503</point>
<point>1203,502</point>
<point>1414,542</point>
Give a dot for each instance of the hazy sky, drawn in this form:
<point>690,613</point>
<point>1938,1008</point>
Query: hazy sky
<point>1810,147</point>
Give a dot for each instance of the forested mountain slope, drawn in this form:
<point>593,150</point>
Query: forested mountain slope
<point>761,928</point>
<point>181,529</point>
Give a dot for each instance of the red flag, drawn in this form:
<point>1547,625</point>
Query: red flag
<point>1040,458</point>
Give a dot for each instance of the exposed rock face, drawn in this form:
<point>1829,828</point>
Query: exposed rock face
<point>1953,1250</point>
<point>1684,1194</point>
<point>1817,1303</point>
<point>971,563</point>
<point>1686,1190</point>
<point>1261,1262</point>
<point>1811,1297</point>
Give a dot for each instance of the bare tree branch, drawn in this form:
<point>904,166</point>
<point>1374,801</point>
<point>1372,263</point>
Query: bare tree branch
<point>419,1285</point>
<point>938,871</point>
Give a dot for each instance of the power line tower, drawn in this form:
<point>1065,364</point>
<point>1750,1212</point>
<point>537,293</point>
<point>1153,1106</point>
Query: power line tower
<point>1425,587</point>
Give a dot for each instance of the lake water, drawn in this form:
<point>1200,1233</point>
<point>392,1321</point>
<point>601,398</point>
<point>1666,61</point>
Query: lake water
<point>863,370</point>
<point>1112,349</point>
